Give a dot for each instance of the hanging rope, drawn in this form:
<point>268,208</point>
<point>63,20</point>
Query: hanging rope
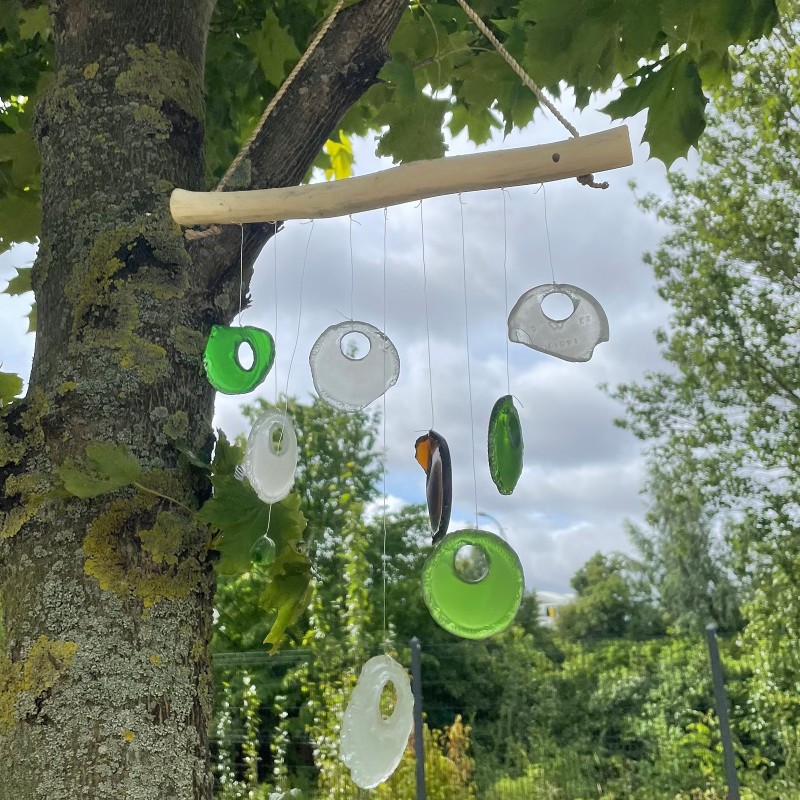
<point>586,180</point>
<point>215,230</point>
<point>279,94</point>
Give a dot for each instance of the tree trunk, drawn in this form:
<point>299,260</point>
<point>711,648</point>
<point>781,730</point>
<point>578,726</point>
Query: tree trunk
<point>105,687</point>
<point>104,674</point>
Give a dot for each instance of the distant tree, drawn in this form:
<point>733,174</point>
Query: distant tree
<point>606,605</point>
<point>723,425</point>
<point>684,556</point>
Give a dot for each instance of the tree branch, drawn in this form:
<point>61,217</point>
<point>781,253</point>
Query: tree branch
<point>343,65</point>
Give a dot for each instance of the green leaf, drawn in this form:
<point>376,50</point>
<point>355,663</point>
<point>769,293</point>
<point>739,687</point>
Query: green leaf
<point>673,94</point>
<point>32,319</point>
<point>242,517</point>
<point>288,592</point>
<point>400,74</point>
<point>33,21</point>
<point>20,149</point>
<point>273,46</point>
<point>340,155</point>
<point>415,130</point>
<point>227,456</point>
<point>289,595</point>
<point>106,468</point>
<point>19,218</point>
<point>10,387</point>
<point>9,18</point>
<point>193,458</point>
<point>20,283</point>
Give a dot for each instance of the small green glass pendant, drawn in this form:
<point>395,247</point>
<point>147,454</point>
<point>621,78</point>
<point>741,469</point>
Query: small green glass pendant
<point>262,553</point>
<point>473,584</point>
<point>505,445</point>
<point>221,359</point>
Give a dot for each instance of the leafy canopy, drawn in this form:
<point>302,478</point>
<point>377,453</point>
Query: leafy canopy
<point>443,74</point>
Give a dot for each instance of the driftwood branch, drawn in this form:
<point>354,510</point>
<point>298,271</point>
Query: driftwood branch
<point>416,181</point>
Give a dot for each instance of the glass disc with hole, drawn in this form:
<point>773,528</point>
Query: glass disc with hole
<point>505,445</point>
<point>221,358</point>
<point>372,745</point>
<point>270,460</point>
<point>473,584</point>
<point>572,338</point>
<point>350,383</point>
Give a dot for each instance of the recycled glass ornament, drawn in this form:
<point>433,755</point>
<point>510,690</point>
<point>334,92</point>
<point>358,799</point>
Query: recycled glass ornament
<point>372,745</point>
<point>221,358</point>
<point>505,445</point>
<point>473,583</point>
<point>348,383</point>
<point>433,455</point>
<point>262,553</point>
<point>573,338</point>
<point>270,460</point>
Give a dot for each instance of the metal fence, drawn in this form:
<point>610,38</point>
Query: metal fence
<point>268,739</point>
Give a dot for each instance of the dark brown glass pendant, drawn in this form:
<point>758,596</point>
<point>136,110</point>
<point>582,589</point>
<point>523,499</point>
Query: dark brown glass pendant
<point>433,455</point>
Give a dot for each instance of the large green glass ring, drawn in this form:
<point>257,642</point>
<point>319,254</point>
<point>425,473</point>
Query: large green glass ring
<point>473,584</point>
<point>221,358</point>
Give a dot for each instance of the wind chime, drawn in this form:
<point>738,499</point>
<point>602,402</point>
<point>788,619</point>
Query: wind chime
<point>472,582</point>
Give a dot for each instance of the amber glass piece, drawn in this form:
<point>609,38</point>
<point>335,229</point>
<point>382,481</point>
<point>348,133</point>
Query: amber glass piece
<point>505,445</point>
<point>221,358</point>
<point>433,455</point>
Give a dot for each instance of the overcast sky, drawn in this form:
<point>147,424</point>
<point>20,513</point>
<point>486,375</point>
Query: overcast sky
<point>582,475</point>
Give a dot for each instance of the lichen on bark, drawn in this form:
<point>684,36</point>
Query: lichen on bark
<point>25,682</point>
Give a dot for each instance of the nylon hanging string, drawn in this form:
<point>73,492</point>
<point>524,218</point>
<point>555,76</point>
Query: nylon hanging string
<point>469,368</point>
<point>586,180</point>
<point>385,642</point>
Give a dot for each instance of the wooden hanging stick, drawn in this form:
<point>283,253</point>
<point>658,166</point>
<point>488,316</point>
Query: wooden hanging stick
<point>415,181</point>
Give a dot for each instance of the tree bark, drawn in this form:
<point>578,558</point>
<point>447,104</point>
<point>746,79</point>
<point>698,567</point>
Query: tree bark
<point>105,687</point>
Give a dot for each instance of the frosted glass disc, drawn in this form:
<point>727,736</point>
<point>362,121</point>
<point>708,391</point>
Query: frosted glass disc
<point>371,745</point>
<point>271,457</point>
<point>479,598</point>
<point>350,384</point>
<point>573,338</point>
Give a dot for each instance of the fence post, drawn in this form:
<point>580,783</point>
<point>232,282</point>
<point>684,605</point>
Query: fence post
<point>721,702</point>
<point>419,739</point>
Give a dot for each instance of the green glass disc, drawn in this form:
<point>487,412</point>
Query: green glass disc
<point>505,445</point>
<point>221,360</point>
<point>473,593</point>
